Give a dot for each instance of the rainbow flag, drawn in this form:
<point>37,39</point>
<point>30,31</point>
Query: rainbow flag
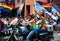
<point>33,26</point>
<point>1,8</point>
<point>6,8</point>
<point>47,6</point>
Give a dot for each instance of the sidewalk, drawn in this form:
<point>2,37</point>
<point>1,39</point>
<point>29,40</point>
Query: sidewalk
<point>56,36</point>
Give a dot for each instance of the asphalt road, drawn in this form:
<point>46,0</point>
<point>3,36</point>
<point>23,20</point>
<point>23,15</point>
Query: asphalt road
<point>55,34</point>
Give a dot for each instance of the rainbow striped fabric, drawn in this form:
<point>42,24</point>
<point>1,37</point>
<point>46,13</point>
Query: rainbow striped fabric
<point>33,26</point>
<point>6,8</point>
<point>47,6</point>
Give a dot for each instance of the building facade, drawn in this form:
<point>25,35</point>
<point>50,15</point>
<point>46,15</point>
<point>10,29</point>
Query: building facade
<point>9,1</point>
<point>29,6</point>
<point>18,3</point>
<point>57,2</point>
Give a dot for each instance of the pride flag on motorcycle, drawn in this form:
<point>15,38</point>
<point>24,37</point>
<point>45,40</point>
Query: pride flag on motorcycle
<point>47,6</point>
<point>33,26</point>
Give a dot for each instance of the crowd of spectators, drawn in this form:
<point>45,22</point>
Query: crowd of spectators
<point>40,21</point>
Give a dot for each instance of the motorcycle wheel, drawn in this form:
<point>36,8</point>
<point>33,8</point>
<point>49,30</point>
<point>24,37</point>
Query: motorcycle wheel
<point>12,38</point>
<point>45,40</point>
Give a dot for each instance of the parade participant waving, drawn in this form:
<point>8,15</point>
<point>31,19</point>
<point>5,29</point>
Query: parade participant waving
<point>14,21</point>
<point>32,28</point>
<point>43,20</point>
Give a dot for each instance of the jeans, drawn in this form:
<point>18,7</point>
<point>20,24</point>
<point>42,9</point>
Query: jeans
<point>31,34</point>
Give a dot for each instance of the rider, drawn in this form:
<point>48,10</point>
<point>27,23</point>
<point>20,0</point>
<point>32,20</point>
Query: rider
<point>33,27</point>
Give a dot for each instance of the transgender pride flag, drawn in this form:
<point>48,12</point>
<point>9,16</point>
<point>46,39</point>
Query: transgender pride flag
<point>38,6</point>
